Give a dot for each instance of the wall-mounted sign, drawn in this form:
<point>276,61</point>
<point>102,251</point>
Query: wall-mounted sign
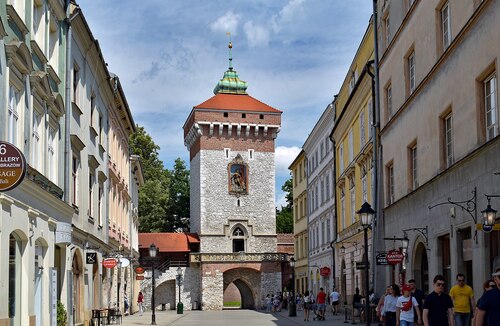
<point>324,271</point>
<point>394,257</point>
<point>382,259</point>
<point>124,262</point>
<point>12,166</point>
<point>139,277</point>
<point>109,262</point>
<point>139,270</point>
<point>63,233</point>
<point>91,257</point>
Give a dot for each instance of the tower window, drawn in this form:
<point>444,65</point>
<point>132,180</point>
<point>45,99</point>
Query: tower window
<point>243,115</point>
<point>227,152</point>
<point>261,116</point>
<point>238,203</point>
<point>250,154</point>
<point>226,114</point>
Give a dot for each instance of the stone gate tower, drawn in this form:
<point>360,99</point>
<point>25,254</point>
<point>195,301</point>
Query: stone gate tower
<point>232,178</point>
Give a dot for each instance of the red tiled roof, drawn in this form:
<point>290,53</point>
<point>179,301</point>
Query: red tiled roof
<point>168,242</point>
<point>238,102</point>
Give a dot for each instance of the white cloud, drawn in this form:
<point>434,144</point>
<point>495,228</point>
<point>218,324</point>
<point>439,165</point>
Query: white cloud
<point>256,35</point>
<point>227,23</point>
<point>283,157</point>
<point>287,14</point>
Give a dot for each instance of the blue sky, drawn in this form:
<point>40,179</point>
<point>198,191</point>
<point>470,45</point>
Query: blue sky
<point>169,55</point>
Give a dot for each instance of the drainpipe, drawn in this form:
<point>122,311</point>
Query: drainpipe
<point>334,240</point>
<point>68,104</point>
<point>377,228</point>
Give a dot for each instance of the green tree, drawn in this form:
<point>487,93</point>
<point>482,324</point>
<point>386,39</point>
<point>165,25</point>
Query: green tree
<point>178,211</point>
<point>154,194</point>
<point>284,216</point>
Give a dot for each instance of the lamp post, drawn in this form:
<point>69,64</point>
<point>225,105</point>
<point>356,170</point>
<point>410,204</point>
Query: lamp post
<point>152,253</point>
<point>180,306</point>
<point>292,312</point>
<point>366,215</point>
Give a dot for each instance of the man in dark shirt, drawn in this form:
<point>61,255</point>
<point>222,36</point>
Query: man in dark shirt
<point>418,295</point>
<point>489,304</point>
<point>438,307</point>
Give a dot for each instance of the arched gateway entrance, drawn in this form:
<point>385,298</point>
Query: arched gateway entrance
<point>421,267</point>
<point>247,281</point>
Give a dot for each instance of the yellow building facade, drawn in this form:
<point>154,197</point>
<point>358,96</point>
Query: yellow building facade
<point>354,172</point>
<point>299,181</point>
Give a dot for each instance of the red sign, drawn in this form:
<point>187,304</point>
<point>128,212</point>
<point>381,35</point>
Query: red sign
<point>139,270</point>
<point>324,271</point>
<point>394,257</point>
<point>139,277</point>
<point>109,262</point>
<point>12,166</point>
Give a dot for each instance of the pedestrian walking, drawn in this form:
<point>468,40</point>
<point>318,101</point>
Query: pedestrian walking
<point>405,308</point>
<point>269,303</point>
<point>380,307</point>
<point>321,302</point>
<point>390,301</point>
<point>438,307</point>
<point>307,305</point>
<point>140,301</point>
<point>419,296</point>
<point>334,300</point>
<point>463,301</point>
<point>489,305</point>
<point>487,286</point>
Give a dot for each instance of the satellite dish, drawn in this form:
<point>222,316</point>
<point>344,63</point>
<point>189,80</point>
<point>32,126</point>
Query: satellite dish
<point>125,262</point>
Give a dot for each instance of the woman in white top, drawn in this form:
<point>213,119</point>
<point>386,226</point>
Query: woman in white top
<point>389,310</point>
<point>404,308</point>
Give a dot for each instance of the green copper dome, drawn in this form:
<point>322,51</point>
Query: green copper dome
<point>231,83</point>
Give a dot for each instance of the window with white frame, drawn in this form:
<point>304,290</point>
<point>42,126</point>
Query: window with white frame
<point>341,158</point>
<point>327,186</point>
<point>38,26</point>
<point>342,206</point>
<point>372,178</point>
<point>92,111</point>
<point>91,194</point>
<point>323,232</point>
<point>74,180</point>
<point>364,186</point>
<point>54,43</point>
<point>76,82</point>
<point>51,152</point>
<point>322,191</point>
<point>316,194</point>
<point>14,98</point>
<point>322,151</point>
<point>352,81</point>
<point>490,106</point>
<point>353,204</point>
<point>390,184</point>
<point>411,72</point>
<point>35,140</point>
<point>370,119</point>
<point>362,134</point>
<point>388,99</point>
<point>414,167</point>
<point>445,25</point>
<point>327,145</point>
<point>351,146</point>
<point>448,139</point>
<point>328,232</point>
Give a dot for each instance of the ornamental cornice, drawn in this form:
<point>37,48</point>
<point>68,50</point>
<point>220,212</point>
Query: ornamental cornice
<point>237,257</point>
<point>226,128</point>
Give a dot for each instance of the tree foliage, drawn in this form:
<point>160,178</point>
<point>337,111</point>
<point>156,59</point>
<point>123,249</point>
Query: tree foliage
<point>161,209</point>
<point>284,216</point>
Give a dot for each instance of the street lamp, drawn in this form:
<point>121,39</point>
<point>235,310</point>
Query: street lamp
<point>292,312</point>
<point>366,215</point>
<point>489,214</point>
<point>180,306</point>
<point>152,253</point>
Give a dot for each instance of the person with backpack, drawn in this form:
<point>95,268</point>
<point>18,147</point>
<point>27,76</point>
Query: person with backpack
<point>404,308</point>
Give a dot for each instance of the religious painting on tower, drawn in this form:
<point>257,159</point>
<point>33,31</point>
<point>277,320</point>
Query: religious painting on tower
<point>238,176</point>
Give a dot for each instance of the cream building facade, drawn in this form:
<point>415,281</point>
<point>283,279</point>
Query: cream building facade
<point>440,134</point>
<point>321,223</point>
<point>352,136</point>
<point>299,188</point>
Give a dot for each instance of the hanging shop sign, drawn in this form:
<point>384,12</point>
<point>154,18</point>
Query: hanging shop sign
<point>109,262</point>
<point>324,271</point>
<point>394,257</point>
<point>91,257</point>
<point>139,270</point>
<point>382,258</point>
<point>12,166</point>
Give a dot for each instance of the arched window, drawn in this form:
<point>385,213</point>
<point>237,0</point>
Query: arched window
<point>238,236</point>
